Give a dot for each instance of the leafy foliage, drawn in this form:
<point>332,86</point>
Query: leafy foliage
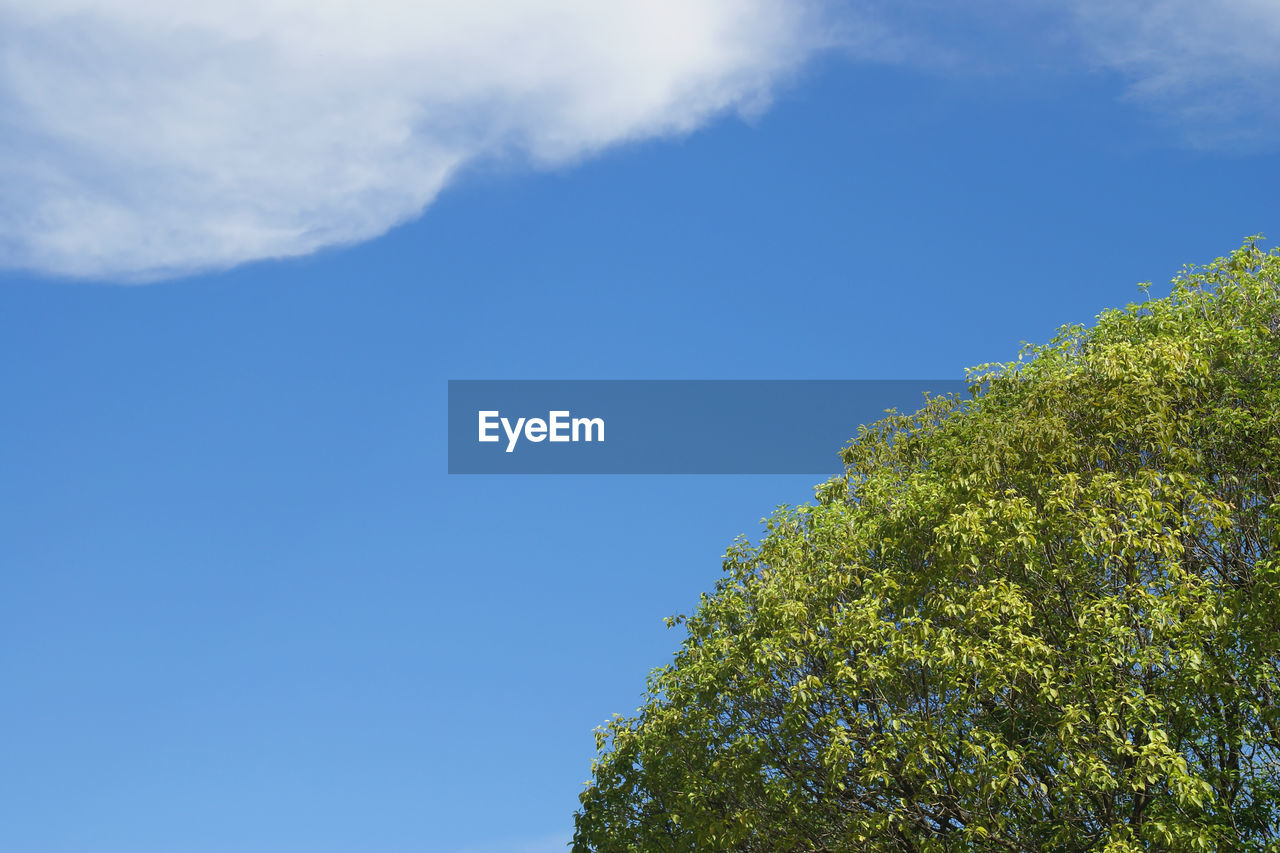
<point>1044,618</point>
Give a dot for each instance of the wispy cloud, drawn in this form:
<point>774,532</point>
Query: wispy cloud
<point>1213,66</point>
<point>144,138</point>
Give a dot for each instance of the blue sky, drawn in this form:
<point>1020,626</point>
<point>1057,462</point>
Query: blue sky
<point>242,605</point>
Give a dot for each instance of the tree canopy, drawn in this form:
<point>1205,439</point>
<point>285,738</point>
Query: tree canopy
<point>1046,617</point>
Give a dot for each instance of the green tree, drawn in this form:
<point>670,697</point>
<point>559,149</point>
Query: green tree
<point>1043,618</point>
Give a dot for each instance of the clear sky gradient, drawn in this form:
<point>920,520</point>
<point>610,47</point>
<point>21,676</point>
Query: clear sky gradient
<point>243,607</point>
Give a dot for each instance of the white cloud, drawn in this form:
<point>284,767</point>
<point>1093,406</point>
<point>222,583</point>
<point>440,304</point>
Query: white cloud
<point>147,138</point>
<point>141,139</point>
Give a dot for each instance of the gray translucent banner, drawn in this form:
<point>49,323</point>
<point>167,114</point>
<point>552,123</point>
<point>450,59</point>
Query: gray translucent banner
<point>668,426</point>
